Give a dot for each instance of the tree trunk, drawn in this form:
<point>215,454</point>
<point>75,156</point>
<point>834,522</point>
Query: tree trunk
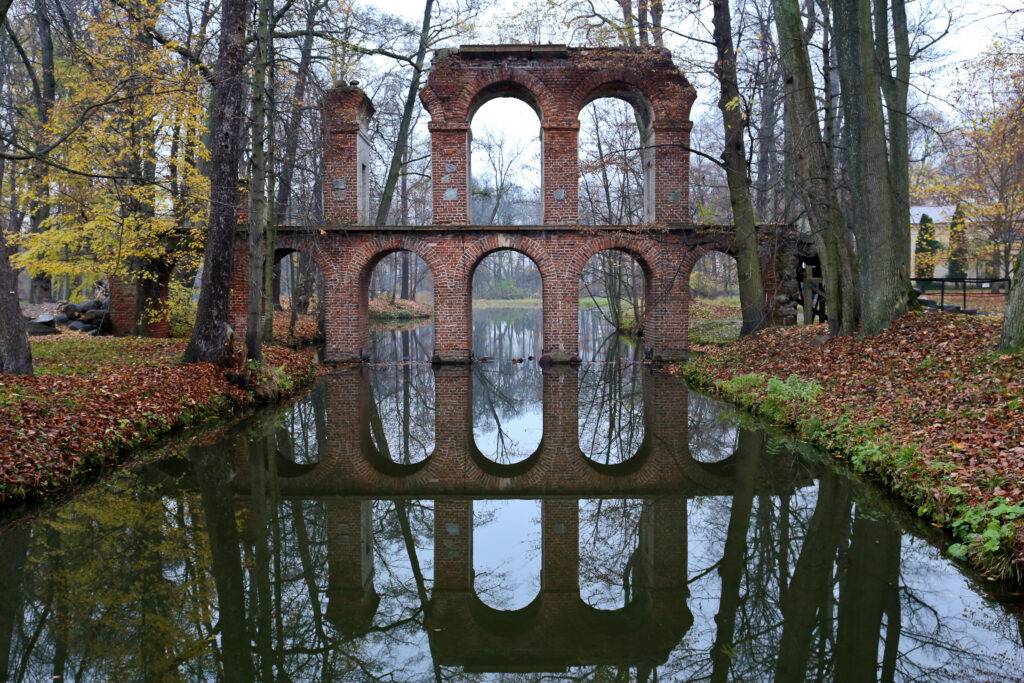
<point>42,286</point>
<point>1013,324</point>
<point>291,138</point>
<point>809,155</point>
<point>258,212</point>
<point>752,295</point>
<point>210,335</point>
<point>15,352</point>
<point>398,154</point>
<point>883,260</point>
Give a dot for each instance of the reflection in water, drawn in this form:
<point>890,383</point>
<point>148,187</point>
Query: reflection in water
<point>506,564</point>
<point>712,435</point>
<point>288,550</point>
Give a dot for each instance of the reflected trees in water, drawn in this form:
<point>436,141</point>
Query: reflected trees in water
<point>199,567</point>
<point>611,411</point>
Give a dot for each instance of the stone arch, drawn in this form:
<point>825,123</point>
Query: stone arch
<point>644,250</point>
<point>505,82</point>
<point>479,250</point>
<point>349,292</point>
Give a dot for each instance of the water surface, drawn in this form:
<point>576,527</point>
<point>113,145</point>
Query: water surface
<point>499,521</point>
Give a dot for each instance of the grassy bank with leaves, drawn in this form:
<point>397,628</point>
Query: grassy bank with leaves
<point>94,399</point>
<point>929,408</point>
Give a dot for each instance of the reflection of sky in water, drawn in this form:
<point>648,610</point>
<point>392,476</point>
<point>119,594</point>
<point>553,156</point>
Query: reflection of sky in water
<point>506,552</point>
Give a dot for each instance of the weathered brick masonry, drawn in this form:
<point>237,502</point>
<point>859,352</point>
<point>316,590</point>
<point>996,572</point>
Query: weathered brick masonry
<point>557,82</point>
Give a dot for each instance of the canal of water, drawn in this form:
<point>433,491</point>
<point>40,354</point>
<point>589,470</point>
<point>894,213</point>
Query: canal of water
<point>500,521</point>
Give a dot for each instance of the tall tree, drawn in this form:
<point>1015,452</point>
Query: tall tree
<point>260,215</point>
<point>408,108</point>
<point>883,237</point>
<point>752,295</point>
<point>211,332</point>
<point>15,352</point>
<point>809,156</point>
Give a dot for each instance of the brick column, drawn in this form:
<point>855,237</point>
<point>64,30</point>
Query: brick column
<point>561,314</point>
<point>346,324</point>
<point>560,546</point>
<point>351,598</point>
<point>345,114</point>
<point>449,148</point>
<point>238,298</point>
<point>122,305</point>
<point>453,417</point>
<point>672,173</point>
<point>453,545</point>
<point>128,315</point>
<point>560,175</point>
<point>668,312</point>
<point>346,403</point>
<point>664,524</point>
<point>453,317</point>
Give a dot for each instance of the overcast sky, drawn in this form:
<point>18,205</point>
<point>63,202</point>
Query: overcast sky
<point>976,25</point>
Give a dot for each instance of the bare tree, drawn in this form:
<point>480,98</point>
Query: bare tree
<point>211,333</point>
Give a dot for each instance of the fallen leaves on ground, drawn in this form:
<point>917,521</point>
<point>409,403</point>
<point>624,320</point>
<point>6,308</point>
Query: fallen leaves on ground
<point>94,397</point>
<point>935,381</point>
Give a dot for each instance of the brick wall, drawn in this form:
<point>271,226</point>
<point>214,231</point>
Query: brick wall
<point>558,82</point>
<point>126,314</point>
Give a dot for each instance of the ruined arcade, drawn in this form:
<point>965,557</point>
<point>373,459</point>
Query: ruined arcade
<point>557,82</point>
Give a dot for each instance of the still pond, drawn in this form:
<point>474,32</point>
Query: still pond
<point>499,521</point>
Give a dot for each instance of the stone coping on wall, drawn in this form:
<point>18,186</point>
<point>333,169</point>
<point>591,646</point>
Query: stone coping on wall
<point>695,228</point>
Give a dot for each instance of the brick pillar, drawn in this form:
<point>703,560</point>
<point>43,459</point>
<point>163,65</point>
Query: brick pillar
<point>122,305</point>
<point>667,414</point>
<point>345,115</point>
<point>346,324</point>
<point>129,316</point>
<point>453,317</point>
<point>560,546</point>
<point>560,171</point>
<point>450,175</point>
<point>668,313</point>
<point>346,403</point>
<point>351,598</point>
<point>561,316</point>
<point>453,545</point>
<point>672,173</point>
<point>238,298</point>
<point>664,525</point>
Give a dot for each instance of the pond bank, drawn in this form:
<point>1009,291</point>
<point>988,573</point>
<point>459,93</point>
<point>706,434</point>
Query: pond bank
<point>94,399</point>
<point>929,408</point>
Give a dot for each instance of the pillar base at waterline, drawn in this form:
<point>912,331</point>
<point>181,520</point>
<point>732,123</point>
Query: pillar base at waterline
<point>452,357</point>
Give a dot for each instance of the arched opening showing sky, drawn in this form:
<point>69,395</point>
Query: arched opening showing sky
<point>505,164</point>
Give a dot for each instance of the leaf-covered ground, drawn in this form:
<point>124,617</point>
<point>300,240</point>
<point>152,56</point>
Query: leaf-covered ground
<point>95,397</point>
<point>929,406</point>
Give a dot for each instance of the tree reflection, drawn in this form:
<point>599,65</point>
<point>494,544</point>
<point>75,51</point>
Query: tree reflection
<point>200,568</point>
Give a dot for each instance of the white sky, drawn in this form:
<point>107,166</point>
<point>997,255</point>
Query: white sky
<point>977,24</point>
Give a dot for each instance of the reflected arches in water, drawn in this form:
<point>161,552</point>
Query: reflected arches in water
<point>611,411</point>
<point>363,435</point>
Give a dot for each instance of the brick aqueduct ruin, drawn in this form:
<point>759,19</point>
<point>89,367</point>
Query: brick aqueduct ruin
<point>557,82</point>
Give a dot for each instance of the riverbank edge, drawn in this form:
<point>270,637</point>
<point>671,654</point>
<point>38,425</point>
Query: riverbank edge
<point>789,403</point>
<point>279,385</point>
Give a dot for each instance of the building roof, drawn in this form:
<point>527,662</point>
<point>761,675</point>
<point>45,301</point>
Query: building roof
<point>938,214</point>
